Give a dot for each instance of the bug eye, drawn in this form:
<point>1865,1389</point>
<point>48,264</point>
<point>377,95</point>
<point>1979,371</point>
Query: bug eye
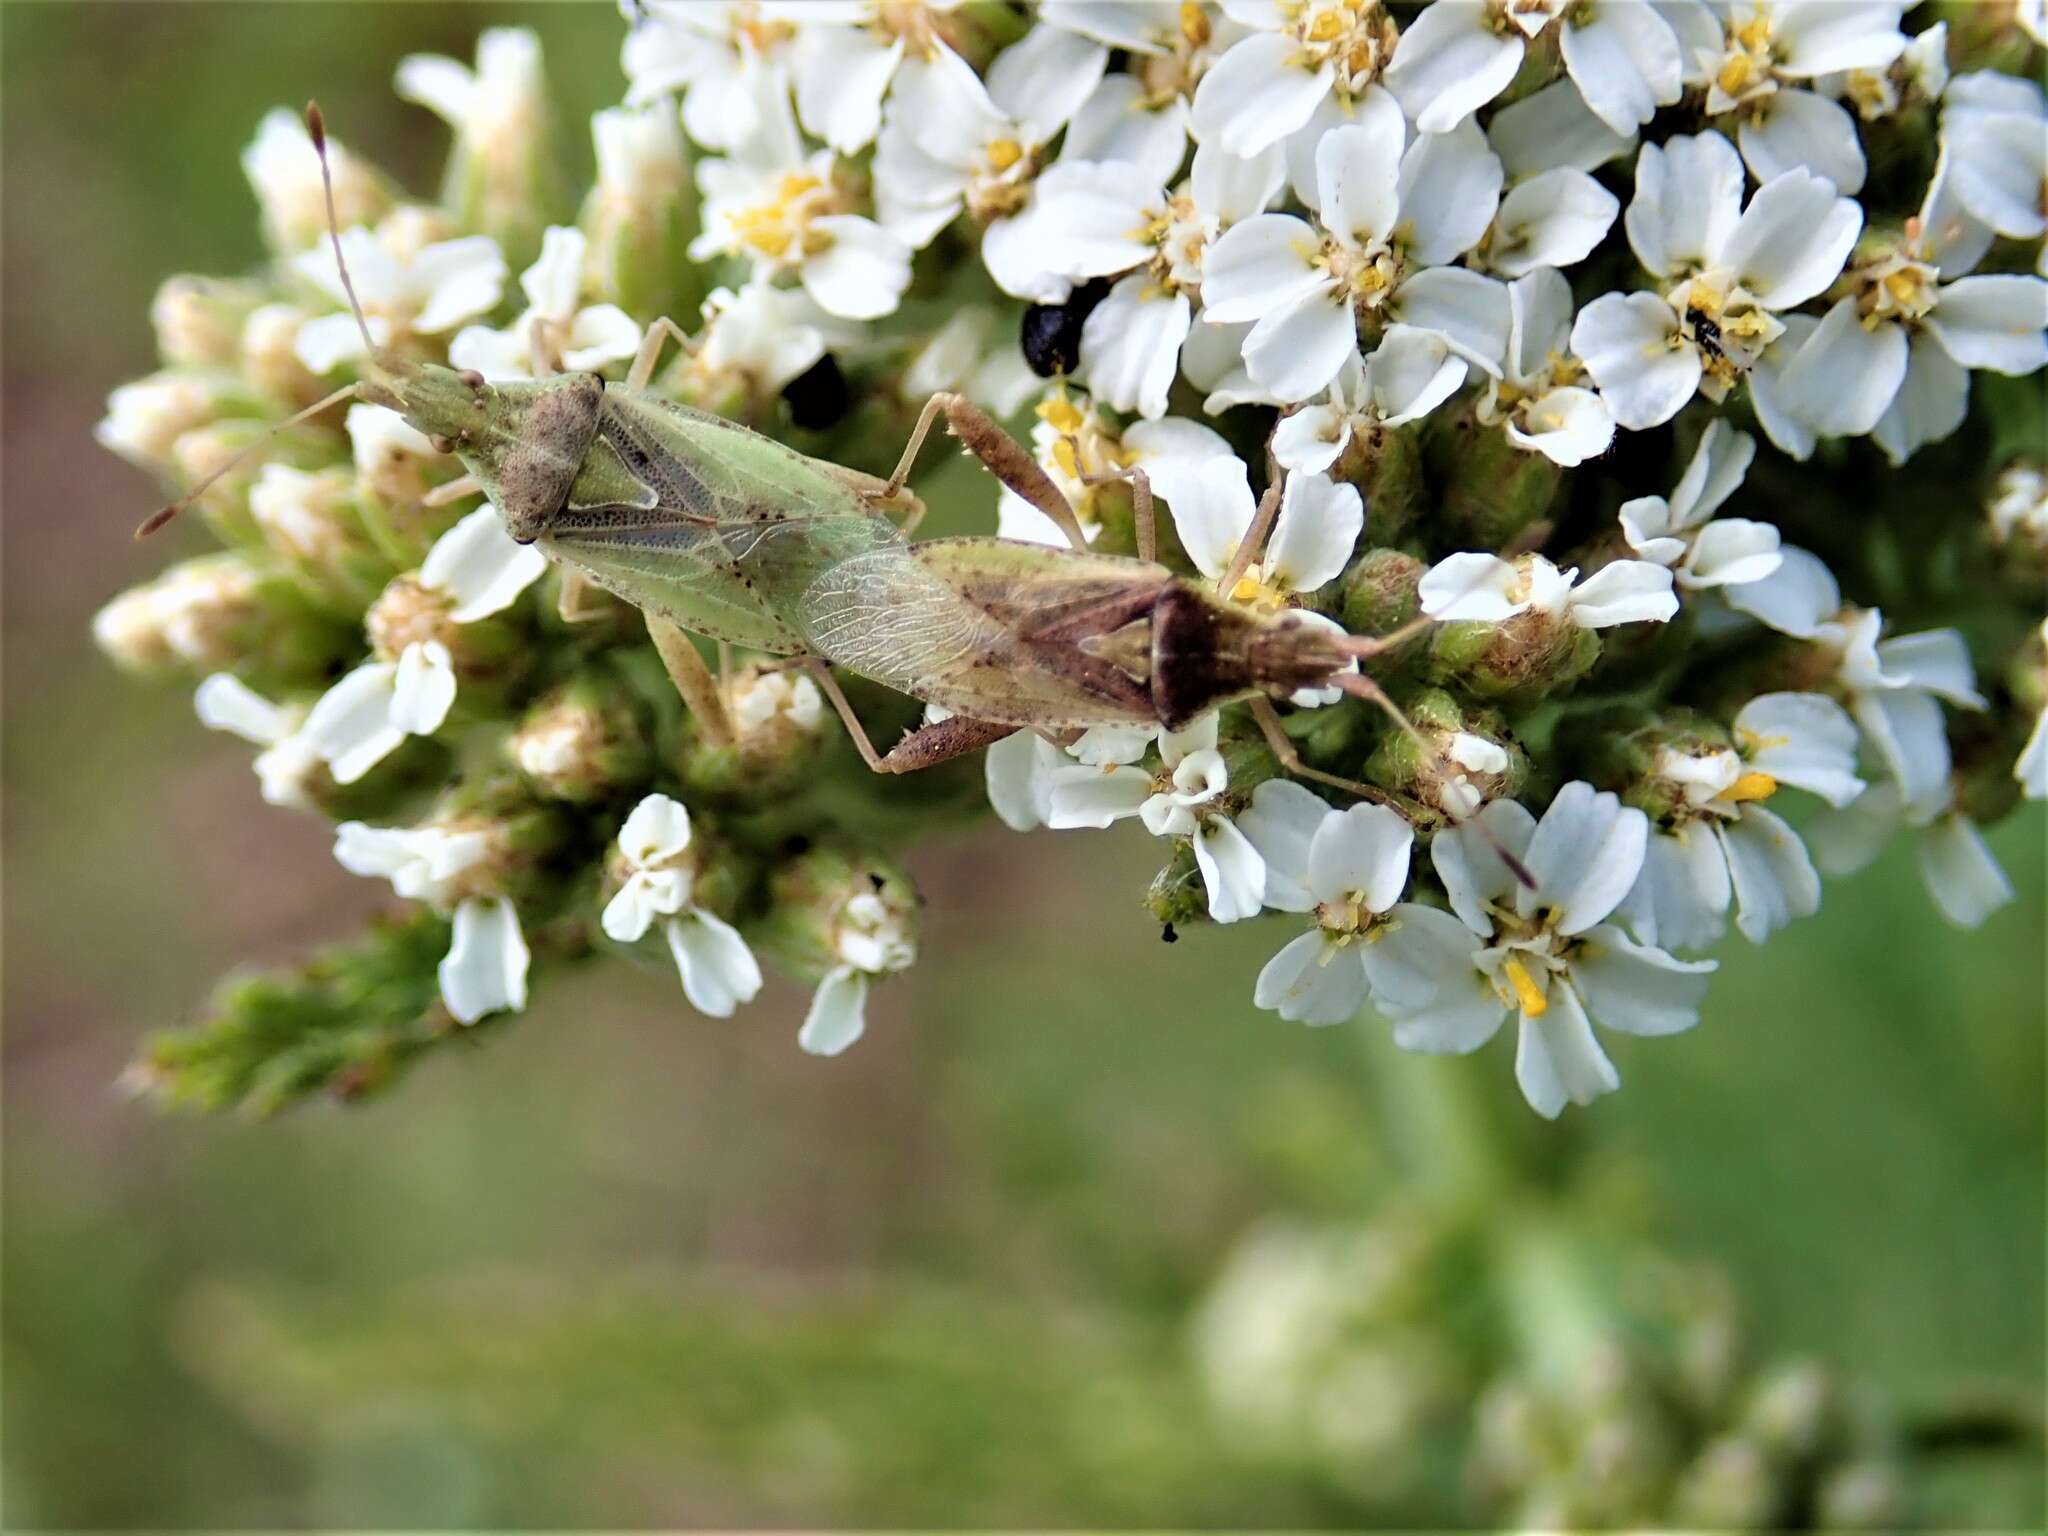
<point>442,443</point>
<point>471,379</point>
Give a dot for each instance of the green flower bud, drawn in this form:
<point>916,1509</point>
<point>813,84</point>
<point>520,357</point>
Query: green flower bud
<point>226,505</point>
<point>1176,897</point>
<point>780,720</point>
<point>1379,596</point>
<point>1729,1486</point>
<point>642,212</point>
<point>584,741</point>
<point>1386,464</point>
<point>220,613</point>
<point>199,320</point>
<point>1492,495</point>
<point>832,906</point>
<point>1463,757</point>
<point>1527,657</point>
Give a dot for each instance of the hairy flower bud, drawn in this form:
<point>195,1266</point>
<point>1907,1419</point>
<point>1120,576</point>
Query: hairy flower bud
<point>779,719</point>
<point>199,320</point>
<point>216,449</point>
<point>217,613</point>
<point>410,612</point>
<point>1493,494</point>
<point>269,355</point>
<point>641,213</point>
<point>583,741</point>
<point>1379,596</point>
<point>1528,656</point>
<point>146,418</point>
<point>1456,761</point>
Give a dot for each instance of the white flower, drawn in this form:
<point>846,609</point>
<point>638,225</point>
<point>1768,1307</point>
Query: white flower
<point>1546,955</point>
<point>1537,399</point>
<point>1995,127</point>
<point>1184,799</point>
<point>225,703</point>
<point>1918,75</point>
<point>587,338</point>
<point>1390,221</point>
<point>1410,373</point>
<point>1553,128</point>
<point>485,968</point>
<point>759,700</point>
<point>1723,843</point>
<point>718,970</point>
<point>1302,69</point>
<point>641,162</point>
<point>1074,444</point>
<point>1553,218</point>
<point>715,52</point>
<point>1768,48</point>
<point>1481,588</point>
<point>497,108</point>
<point>760,338</point>
<point>1732,270</point>
<point>474,569</point>
<point>1892,357</point>
<point>1893,687</point>
<point>1019,772</point>
<point>1960,872</point>
<point>1102,219</point>
<point>786,213</point>
<point>384,445</point>
<point>950,140</point>
<point>1317,527</point>
<point>284,172</point>
<point>1683,532</point>
<point>845,57</point>
<point>1348,868</point>
<point>2019,505</point>
<point>424,294</point>
<point>1622,55</point>
<point>871,938</point>
<point>146,417</point>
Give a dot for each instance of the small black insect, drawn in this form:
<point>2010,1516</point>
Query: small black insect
<point>818,396</point>
<point>1051,334</point>
<point>1168,934</point>
<point>1705,332</point>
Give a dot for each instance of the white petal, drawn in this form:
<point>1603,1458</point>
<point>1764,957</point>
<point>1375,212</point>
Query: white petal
<point>422,690</point>
<point>554,283</point>
<point>1585,854</point>
<point>1822,37</point>
<point>443,86</point>
<point>1309,440</point>
<point>1259,265</point>
<point>1296,350</point>
<point>1998,322</point>
<point>1231,869</point>
<point>2030,768</point>
<point>1935,659</point>
<point>842,74</point>
<point>1687,202</point>
<point>645,896</point>
<point>1999,164</point>
<point>1539,321</point>
<point>1212,507</point>
<point>1468,309</point>
<point>1259,92</point>
<point>1042,80</point>
<point>1553,127</point>
<point>1625,62</point>
<point>1961,874</point>
<point>1420,965</point>
<point>1449,188</point>
<point>1680,900</point>
<point>1557,1060</point>
<point>1637,988</point>
<point>1628,343</point>
<point>1235,187</point>
<point>480,566</point>
<point>1795,599</point>
<point>350,724</point>
<point>1905,726</point>
<point>485,968</point>
<point>1018,770</point>
<point>1363,850</point>
<point>861,275</point>
<point>1411,373</point>
<point>1931,402</point>
<point>225,703</point>
<point>1120,121</point>
<point>1473,873</point>
<point>1731,552</point>
<point>465,276</point>
<point>1778,410</point>
<point>1449,63</point>
<point>657,830</point>
<point>1716,469</point>
<point>838,1014</point>
<point>1311,982</point>
<point>325,342</point>
<point>1624,592</point>
<point>1357,171</point>
<point>1792,239</point>
<point>1318,526</point>
<point>1281,823</point>
<point>718,971</point>
<point>1470,587</point>
<point>1094,797</point>
<point>1845,375</point>
<point>1087,219</point>
<point>1567,426</point>
<point>601,334</point>
<point>1801,739</point>
<point>1774,879</point>
<point>1130,346</point>
<point>1551,220</point>
<point>1795,130</point>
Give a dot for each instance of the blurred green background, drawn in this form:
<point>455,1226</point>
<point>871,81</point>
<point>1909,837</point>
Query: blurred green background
<point>625,1265</point>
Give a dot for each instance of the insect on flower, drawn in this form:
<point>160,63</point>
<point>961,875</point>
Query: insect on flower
<point>714,530</point>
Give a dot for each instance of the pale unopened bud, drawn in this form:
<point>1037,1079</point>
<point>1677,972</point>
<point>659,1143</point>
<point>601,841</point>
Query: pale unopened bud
<point>1379,597</point>
<point>1492,494</point>
<point>1861,1496</point>
<point>284,172</point>
<point>642,212</point>
<point>1730,1486</point>
<point>217,449</point>
<point>2018,509</point>
<point>1793,1411</point>
<point>833,907</point>
<point>1455,761</point>
<point>208,614</point>
<point>198,320</point>
<point>310,517</point>
<point>146,418</point>
<point>778,718</point>
<point>1528,656</point>
<point>396,466</point>
<point>270,355</point>
<point>582,742</point>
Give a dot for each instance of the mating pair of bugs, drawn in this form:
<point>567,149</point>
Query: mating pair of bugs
<point>712,529</point>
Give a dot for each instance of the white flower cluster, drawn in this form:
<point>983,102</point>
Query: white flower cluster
<point>1545,225</point>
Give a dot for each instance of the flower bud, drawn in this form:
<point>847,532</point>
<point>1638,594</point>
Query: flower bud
<point>218,613</point>
<point>1793,1412</point>
<point>1491,494</point>
<point>213,449</point>
<point>1177,897</point>
<point>509,840</point>
<point>198,320</point>
<point>833,907</point>
<point>2017,514</point>
<point>269,356</point>
<point>642,212</point>
<point>1729,1486</point>
<point>1456,761</point>
<point>396,465</point>
<point>1386,464</point>
<point>1379,596</point>
<point>1866,1495</point>
<point>285,175</point>
<point>778,716</point>
<point>584,741</point>
<point>1529,656</point>
<point>147,417</point>
<point>311,519</point>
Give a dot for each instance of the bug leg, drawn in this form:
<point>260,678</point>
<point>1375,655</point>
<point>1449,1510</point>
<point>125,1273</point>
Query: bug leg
<point>454,490</point>
<point>650,350</point>
<point>1001,454</point>
<point>924,747</point>
<point>579,599</point>
<point>1144,519</point>
<point>821,674</point>
<point>1283,748</point>
<point>693,681</point>
<point>1253,541</point>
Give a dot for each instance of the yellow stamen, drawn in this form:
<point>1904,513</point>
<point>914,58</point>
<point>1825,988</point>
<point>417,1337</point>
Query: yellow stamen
<point>1751,786</point>
<point>1531,997</point>
<point>1004,153</point>
<point>1060,413</point>
<point>1736,74</point>
<point>1324,27</point>
<point>1194,23</point>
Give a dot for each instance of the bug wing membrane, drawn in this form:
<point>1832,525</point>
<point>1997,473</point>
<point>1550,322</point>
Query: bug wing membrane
<point>1003,631</point>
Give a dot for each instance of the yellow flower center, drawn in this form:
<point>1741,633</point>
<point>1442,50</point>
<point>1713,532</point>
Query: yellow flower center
<point>1751,786</point>
<point>1531,997</point>
<point>1194,23</point>
<point>1004,153</point>
<point>773,227</point>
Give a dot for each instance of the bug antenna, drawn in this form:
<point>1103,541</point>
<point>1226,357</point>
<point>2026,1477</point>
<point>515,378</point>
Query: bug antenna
<point>316,130</point>
<point>163,515</point>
